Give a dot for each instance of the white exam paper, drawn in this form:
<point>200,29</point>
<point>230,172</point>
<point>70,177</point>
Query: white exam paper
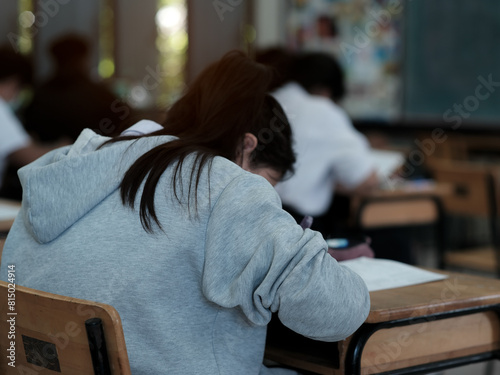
<point>386,162</point>
<point>381,274</point>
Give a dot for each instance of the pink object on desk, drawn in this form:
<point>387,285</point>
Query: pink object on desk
<point>346,253</point>
<point>361,250</point>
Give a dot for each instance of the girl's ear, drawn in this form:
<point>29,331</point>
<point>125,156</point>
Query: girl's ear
<point>249,143</point>
<point>243,154</point>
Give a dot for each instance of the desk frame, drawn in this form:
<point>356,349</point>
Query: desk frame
<point>361,337</point>
<point>464,306</point>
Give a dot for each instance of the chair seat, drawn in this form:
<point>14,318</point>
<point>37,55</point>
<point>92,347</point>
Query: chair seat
<point>481,259</point>
<point>399,211</point>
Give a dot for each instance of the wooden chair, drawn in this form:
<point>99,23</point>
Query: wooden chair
<point>44,333</point>
<point>398,211</point>
<point>473,195</point>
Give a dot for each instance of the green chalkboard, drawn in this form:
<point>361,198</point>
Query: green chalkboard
<point>452,61</point>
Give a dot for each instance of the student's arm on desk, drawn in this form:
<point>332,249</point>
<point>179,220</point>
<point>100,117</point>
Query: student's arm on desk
<point>258,259</point>
<point>386,165</point>
<point>368,185</point>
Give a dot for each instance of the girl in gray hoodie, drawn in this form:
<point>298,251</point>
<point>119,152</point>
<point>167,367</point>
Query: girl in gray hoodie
<point>183,233</point>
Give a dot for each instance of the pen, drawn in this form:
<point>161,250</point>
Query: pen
<point>306,222</point>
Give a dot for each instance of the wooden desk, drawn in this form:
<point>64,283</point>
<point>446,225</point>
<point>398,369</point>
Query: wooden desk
<point>6,224</point>
<point>414,188</point>
<point>405,204</point>
<point>426,327</point>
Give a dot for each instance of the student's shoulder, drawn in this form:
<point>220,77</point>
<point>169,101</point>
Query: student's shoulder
<point>298,101</point>
<point>230,179</point>
<point>330,110</point>
<point>295,97</point>
<point>224,172</point>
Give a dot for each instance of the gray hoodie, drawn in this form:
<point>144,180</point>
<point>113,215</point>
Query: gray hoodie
<point>195,297</point>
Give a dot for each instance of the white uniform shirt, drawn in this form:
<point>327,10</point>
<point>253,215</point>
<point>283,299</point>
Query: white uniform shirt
<point>12,135</point>
<point>329,151</point>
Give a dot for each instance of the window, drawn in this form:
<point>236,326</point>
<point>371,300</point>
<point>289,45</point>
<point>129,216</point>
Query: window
<point>172,42</point>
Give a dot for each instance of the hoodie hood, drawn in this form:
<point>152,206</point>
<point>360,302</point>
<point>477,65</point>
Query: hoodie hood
<point>63,185</point>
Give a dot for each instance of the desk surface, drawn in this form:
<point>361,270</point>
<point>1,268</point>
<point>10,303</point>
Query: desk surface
<point>468,328</point>
<point>6,224</point>
<point>411,188</point>
<point>408,204</point>
<point>457,292</point>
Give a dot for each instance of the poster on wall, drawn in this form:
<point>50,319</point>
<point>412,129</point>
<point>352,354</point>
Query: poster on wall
<point>365,36</point>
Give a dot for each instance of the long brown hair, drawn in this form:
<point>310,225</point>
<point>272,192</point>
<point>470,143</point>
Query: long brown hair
<point>226,101</point>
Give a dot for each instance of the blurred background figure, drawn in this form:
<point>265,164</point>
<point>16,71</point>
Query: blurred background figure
<point>16,146</point>
<point>334,160</point>
<point>331,153</point>
<point>70,100</point>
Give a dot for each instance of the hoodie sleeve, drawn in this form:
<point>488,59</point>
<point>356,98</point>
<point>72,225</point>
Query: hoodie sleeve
<point>258,259</point>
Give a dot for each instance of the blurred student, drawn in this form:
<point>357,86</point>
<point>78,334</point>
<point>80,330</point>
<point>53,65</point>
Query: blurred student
<point>70,100</point>
<point>178,227</point>
<point>331,154</point>
<point>16,147</point>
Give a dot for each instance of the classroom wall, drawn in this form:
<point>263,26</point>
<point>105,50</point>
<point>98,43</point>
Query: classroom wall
<point>214,27</point>
<point>135,29</point>
<point>58,17</point>
<point>136,52</point>
<point>8,19</point>
<point>52,19</point>
<point>269,23</point>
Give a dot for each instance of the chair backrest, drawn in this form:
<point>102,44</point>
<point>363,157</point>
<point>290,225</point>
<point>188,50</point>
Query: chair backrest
<point>474,194</point>
<point>45,333</point>
<point>473,191</point>
<point>398,211</point>
<point>398,215</point>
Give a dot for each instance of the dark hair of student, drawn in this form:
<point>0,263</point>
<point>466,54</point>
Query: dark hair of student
<point>280,60</point>
<point>319,70</point>
<point>69,49</point>
<point>226,101</point>
<point>15,65</point>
